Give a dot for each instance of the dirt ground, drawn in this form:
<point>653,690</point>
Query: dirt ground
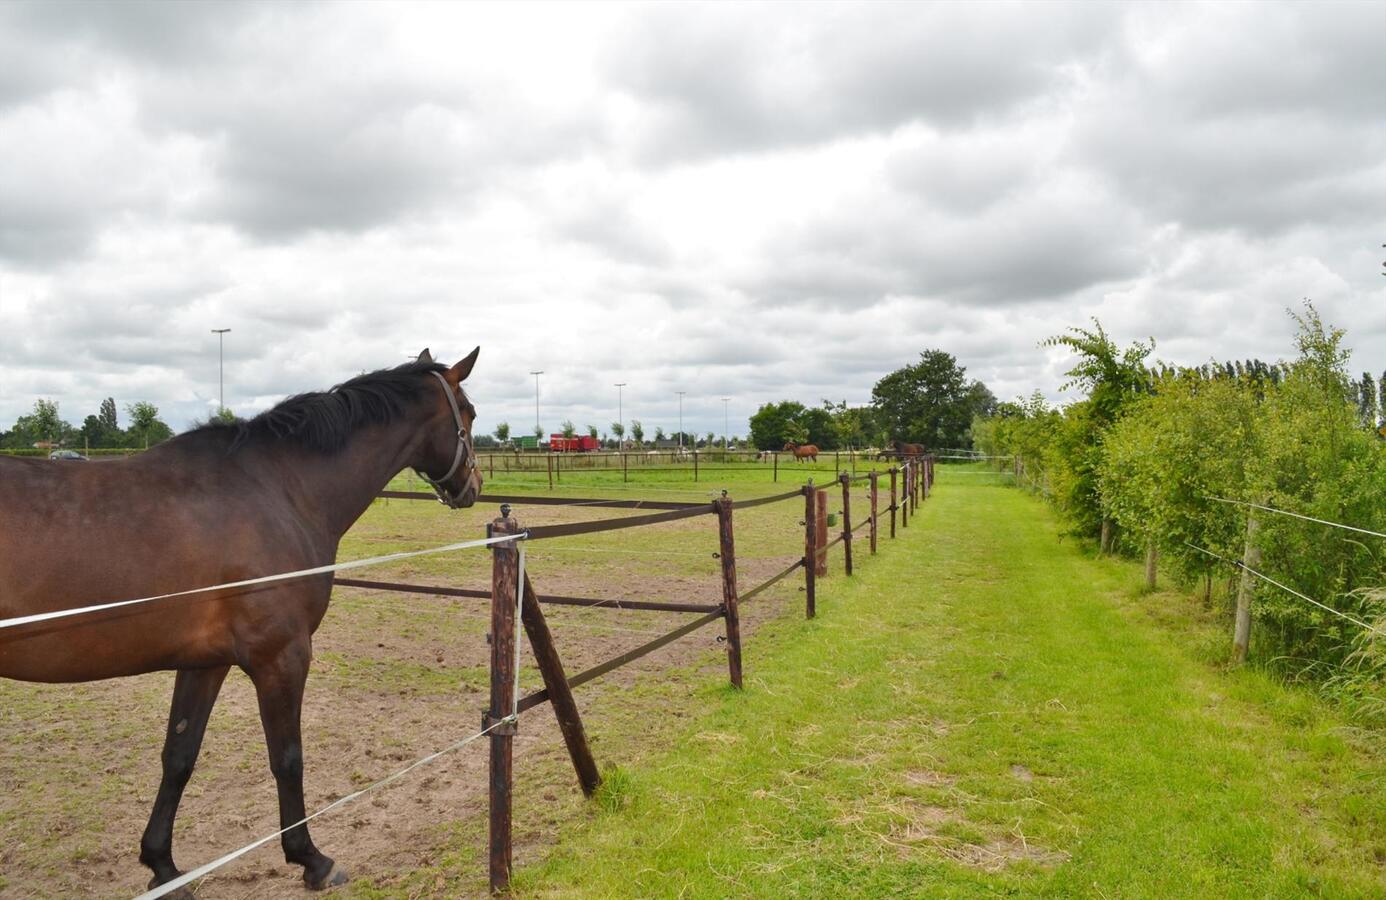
<point>394,677</point>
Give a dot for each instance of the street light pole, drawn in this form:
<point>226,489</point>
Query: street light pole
<point>620,416</point>
<point>725,444</point>
<point>680,393</point>
<point>221,368</point>
<point>537,429</point>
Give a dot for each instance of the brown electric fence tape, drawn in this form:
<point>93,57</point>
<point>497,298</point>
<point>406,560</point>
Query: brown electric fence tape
<point>549,599</point>
<point>526,499</point>
<point>530,701</point>
<point>770,582</point>
<point>761,501</point>
<point>552,531</point>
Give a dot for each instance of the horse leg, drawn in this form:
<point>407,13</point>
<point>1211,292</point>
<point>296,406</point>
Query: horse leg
<point>279,689</point>
<point>194,693</point>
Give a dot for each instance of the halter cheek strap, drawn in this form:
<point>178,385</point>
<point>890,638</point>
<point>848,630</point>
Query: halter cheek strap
<point>461,447</point>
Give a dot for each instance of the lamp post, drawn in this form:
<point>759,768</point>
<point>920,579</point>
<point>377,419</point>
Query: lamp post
<point>536,402</point>
<point>221,368</point>
<point>680,393</point>
<point>620,416</point>
<point>725,444</point>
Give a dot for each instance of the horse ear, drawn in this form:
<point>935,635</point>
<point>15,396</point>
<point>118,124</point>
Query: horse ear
<point>425,356</point>
<point>464,368</point>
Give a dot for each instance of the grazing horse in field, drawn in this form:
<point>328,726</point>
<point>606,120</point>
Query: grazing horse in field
<point>223,503</point>
<point>904,449</point>
<point>802,451</point>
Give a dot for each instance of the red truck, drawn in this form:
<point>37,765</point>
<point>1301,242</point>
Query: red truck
<point>560,444</point>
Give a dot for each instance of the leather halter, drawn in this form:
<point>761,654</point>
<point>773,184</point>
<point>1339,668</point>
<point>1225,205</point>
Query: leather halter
<point>462,451</point>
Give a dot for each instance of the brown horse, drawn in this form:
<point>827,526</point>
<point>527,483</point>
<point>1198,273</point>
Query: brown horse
<point>223,503</point>
<point>803,451</point>
<point>903,449</point>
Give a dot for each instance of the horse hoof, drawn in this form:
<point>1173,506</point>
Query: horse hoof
<point>335,877</point>
<point>181,893</point>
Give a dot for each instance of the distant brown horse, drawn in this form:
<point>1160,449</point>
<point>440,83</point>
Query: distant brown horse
<point>904,449</point>
<point>802,451</point>
<point>223,503</point>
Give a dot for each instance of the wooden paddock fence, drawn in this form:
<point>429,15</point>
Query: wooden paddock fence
<point>908,485</point>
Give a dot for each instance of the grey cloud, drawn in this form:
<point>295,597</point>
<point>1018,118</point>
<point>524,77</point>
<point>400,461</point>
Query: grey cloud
<point>753,78</point>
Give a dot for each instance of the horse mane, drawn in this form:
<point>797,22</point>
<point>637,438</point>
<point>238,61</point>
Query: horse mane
<point>323,421</point>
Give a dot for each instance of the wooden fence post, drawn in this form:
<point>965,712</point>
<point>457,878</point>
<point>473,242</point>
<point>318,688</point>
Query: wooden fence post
<point>904,495</point>
<point>873,511</point>
<point>846,520</point>
<point>729,599</point>
<point>560,694</point>
<point>505,572</point>
<point>1251,559</point>
<point>810,545</point>
<point>775,457</point>
<point>695,464</point>
<point>624,476</point>
<point>549,457</point>
<point>894,470</point>
<point>821,550</point>
<point>1151,555</point>
<point>1105,541</point>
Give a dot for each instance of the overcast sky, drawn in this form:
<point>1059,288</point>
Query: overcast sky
<point>753,201</point>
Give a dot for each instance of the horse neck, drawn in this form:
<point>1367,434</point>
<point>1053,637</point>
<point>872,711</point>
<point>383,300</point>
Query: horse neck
<point>332,491</point>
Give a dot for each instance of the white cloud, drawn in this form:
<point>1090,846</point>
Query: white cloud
<point>756,201</point>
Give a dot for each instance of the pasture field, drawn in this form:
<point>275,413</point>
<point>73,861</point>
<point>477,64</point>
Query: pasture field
<point>394,677</point>
<point>981,710</point>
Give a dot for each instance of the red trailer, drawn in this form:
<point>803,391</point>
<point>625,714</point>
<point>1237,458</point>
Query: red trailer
<point>560,444</point>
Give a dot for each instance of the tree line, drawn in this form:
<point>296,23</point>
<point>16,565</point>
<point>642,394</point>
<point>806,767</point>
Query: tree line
<point>1146,461</point>
<point>930,402</point>
<point>45,426</point>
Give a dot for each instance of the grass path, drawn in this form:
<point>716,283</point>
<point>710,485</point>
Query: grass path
<point>987,710</point>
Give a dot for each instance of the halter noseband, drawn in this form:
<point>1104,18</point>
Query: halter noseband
<point>462,451</point>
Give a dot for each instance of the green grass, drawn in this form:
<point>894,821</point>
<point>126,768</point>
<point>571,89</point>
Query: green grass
<point>982,710</point>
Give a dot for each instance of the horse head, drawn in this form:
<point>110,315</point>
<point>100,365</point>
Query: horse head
<point>790,445</point>
<point>447,446</point>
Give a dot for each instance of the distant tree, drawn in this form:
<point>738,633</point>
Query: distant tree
<point>538,431</point>
<point>710,439</point>
<point>502,431</point>
<point>592,431</point>
<point>770,424</point>
<point>42,425</point>
<point>637,432</point>
<point>930,402</point>
<point>1381,398</point>
<point>483,441</point>
<point>569,429</point>
<point>224,414</point>
<point>107,415</point>
<point>1366,401</point>
<point>145,425</point>
<point>659,434</point>
<point>619,430</point>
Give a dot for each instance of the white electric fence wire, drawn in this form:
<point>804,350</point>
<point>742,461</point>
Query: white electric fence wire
<point>1295,515</point>
<point>249,582</point>
<point>1289,590</point>
<point>200,871</point>
<point>170,886</point>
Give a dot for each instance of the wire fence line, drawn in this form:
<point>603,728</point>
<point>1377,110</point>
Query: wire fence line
<point>1238,564</point>
<point>250,582</point>
<point>1295,515</point>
